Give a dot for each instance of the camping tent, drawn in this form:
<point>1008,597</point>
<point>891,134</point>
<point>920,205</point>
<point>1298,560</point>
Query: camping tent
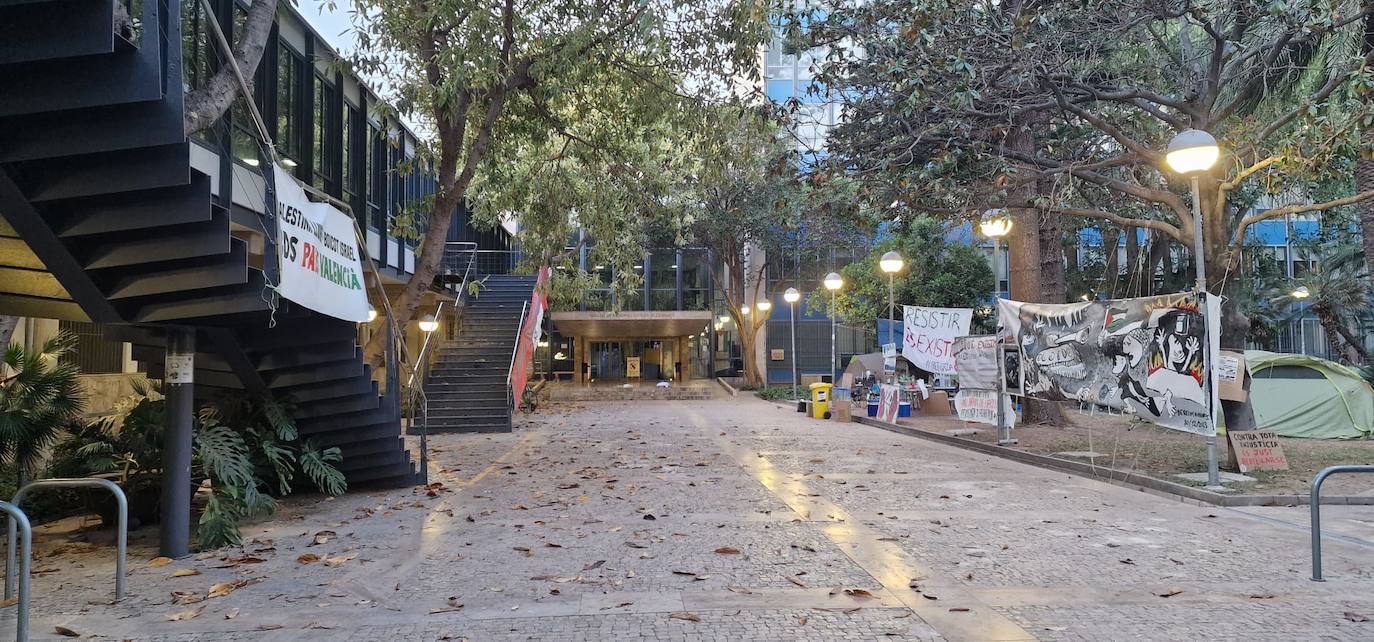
<point>1300,396</point>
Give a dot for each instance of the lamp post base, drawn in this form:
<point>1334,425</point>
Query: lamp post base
<point>1007,442</point>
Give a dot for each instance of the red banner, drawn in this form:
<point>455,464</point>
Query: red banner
<point>530,330</point>
<point>889,399</point>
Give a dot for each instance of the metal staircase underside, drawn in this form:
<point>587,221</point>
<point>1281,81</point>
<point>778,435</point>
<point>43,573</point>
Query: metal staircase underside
<point>104,219</point>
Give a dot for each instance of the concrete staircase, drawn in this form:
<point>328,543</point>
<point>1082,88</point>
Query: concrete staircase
<point>467,385</point>
<point>103,218</point>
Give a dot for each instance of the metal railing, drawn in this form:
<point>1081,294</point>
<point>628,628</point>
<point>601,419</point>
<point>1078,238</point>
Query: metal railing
<point>1316,500</point>
<point>457,263</point>
<point>121,524</point>
<point>519,333</point>
<point>21,619</point>
<point>496,262</point>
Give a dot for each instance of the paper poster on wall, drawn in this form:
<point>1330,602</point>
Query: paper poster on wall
<point>981,406</point>
<point>1145,356</point>
<point>889,357</point>
<point>928,336</point>
<point>320,263</point>
<point>632,367</point>
<point>975,362</point>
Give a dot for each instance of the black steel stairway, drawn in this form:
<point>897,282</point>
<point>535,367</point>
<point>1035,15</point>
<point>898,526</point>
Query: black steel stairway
<point>467,385</point>
<point>96,180</point>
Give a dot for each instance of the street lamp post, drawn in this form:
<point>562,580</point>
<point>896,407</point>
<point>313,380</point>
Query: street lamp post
<point>995,225</point>
<point>1191,153</point>
<point>833,282</point>
<point>791,296</point>
<point>891,263</point>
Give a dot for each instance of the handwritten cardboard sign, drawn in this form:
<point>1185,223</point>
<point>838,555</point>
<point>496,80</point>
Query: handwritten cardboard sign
<point>981,406</point>
<point>975,361</point>
<point>1257,450</point>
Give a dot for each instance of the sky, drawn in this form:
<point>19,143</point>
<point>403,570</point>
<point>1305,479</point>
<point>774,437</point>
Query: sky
<point>332,24</point>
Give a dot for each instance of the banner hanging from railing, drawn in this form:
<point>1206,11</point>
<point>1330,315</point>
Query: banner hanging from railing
<point>320,264</point>
<point>530,331</point>
<point>1146,356</point>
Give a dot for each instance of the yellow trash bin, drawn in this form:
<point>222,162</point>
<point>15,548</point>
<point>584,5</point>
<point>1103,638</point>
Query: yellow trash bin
<point>820,400</point>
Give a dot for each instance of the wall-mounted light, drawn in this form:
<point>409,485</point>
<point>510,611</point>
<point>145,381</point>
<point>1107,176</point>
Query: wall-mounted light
<point>429,323</point>
<point>371,314</point>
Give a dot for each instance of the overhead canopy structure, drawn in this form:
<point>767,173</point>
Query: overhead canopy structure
<point>1300,396</point>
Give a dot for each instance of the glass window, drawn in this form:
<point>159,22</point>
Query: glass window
<point>290,88</point>
<point>195,47</point>
<point>326,125</point>
<point>351,122</point>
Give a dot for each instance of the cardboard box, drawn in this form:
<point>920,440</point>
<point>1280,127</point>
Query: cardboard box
<point>1231,376</point>
<point>840,411</point>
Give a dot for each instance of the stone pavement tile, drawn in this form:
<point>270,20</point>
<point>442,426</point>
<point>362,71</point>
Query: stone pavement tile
<point>800,625</point>
<point>1258,622</point>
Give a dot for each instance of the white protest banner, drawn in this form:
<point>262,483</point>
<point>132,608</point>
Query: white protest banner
<point>321,267</point>
<point>981,406</point>
<point>975,362</point>
<point>928,336</point>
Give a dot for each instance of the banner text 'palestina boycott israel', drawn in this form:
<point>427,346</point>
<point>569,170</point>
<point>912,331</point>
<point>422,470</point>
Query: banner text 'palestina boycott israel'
<point>319,260</point>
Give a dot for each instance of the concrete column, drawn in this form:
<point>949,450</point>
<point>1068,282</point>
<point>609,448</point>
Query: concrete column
<point>178,386</point>
<point>684,374</point>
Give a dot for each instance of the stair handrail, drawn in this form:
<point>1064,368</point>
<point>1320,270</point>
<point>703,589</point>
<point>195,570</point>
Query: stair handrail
<point>471,249</point>
<point>519,334</point>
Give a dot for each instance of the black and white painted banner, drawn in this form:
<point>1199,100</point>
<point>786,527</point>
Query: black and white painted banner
<point>928,336</point>
<point>321,267</point>
<point>1145,356</point>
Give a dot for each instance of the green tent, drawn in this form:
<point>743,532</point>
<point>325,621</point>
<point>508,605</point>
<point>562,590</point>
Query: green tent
<point>1300,396</point>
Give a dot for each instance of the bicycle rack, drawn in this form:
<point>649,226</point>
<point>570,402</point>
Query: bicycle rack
<point>26,544</point>
<point>121,532</point>
<point>1317,512</point>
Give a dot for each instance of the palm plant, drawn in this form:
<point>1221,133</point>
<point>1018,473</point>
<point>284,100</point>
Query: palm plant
<point>1336,291</point>
<point>39,396</point>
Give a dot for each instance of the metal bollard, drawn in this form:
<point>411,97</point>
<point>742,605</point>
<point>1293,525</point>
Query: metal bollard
<point>26,545</point>
<point>121,527</point>
<point>1317,512</point>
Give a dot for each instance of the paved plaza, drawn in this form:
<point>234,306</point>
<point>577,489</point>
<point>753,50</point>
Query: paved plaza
<point>730,520</point>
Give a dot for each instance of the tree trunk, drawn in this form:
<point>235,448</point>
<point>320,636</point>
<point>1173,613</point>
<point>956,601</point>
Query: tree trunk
<point>1054,286</point>
<point>1111,239</point>
<point>7,327</point>
<point>1132,263</point>
<point>753,372</point>
<point>207,105</point>
<point>1341,340</point>
<point>1364,163</point>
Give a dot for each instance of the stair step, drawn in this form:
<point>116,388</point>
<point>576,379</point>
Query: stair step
<point>331,407</point>
<point>108,172</point>
<point>216,306</point>
<point>318,373</point>
<point>126,75</point>
<point>350,434</point>
<point>366,447</point>
<point>64,134</point>
<point>392,476</point>
<point>309,356</point>
<point>58,29</point>
<point>331,390</point>
<point>374,460</point>
<point>373,417</point>
<point>141,210</point>
<point>217,270</point>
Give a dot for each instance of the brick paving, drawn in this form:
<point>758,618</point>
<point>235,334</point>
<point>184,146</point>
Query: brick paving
<point>621,521</point>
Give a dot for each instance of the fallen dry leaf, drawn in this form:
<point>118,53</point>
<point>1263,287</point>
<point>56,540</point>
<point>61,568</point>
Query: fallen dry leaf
<point>683,615</point>
<point>594,565</point>
<point>308,558</point>
<point>185,572</point>
<point>10,602</point>
<point>795,581</point>
<point>159,561</point>
<point>233,613</point>
<point>269,627</point>
<point>323,537</point>
<point>64,631</point>
<point>728,550</point>
<point>959,609</point>
<point>738,589</point>
<point>1172,591</point>
<point>338,561</point>
<point>858,593</point>
<point>1355,617</point>
<point>1261,596</point>
<point>185,615</point>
